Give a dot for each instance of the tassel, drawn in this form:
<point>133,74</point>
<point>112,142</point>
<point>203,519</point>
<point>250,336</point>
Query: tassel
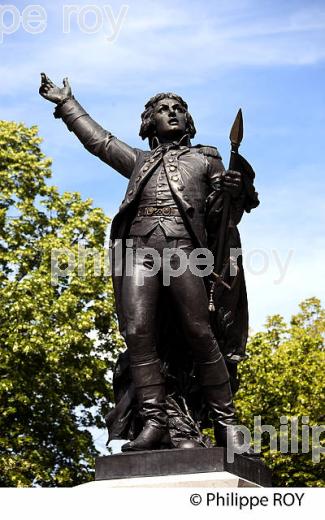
<point>211,302</point>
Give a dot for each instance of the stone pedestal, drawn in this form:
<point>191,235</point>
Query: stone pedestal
<point>198,467</point>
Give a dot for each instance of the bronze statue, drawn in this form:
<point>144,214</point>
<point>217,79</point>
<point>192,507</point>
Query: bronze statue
<point>178,373</point>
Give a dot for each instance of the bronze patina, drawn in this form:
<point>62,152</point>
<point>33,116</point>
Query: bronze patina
<point>184,339</point>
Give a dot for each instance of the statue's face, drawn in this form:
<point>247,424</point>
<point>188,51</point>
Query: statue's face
<point>170,118</point>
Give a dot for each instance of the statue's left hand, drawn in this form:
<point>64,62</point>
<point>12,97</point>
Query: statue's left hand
<point>232,182</point>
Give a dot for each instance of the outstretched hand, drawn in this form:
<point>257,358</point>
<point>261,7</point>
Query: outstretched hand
<point>53,93</point>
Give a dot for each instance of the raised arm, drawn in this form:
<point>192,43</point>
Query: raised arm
<point>95,139</point>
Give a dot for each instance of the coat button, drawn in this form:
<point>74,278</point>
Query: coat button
<point>138,178</point>
<point>171,159</point>
<point>180,188</point>
<point>130,192</point>
<point>172,168</point>
<point>173,153</point>
<point>175,178</point>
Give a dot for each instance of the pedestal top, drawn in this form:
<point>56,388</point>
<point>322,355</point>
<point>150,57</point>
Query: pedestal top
<point>181,462</point>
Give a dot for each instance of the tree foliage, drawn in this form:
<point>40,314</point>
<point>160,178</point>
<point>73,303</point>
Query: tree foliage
<point>284,376</point>
<point>57,341</point>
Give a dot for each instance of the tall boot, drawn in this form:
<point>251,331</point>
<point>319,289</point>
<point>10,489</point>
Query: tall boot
<point>214,379</point>
<point>150,392</point>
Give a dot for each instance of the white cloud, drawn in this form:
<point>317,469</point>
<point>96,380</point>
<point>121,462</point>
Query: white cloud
<point>163,38</point>
<point>288,225</point>
<point>302,280</point>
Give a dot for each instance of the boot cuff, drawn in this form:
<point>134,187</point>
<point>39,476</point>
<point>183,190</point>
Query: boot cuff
<point>213,372</point>
<point>147,374</point>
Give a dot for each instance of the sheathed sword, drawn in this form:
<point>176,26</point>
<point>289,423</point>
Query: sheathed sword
<point>236,136</point>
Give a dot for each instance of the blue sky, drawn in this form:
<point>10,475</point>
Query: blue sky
<point>265,56</point>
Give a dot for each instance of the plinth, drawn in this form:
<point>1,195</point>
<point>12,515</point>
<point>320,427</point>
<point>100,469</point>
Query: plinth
<point>205,467</point>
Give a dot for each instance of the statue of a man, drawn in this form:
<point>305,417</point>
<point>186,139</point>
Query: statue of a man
<point>179,359</point>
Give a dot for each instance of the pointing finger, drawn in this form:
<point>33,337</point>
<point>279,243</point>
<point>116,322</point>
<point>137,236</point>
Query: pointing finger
<point>46,80</point>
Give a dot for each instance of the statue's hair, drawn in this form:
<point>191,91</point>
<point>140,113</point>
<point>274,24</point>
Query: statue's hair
<point>148,127</point>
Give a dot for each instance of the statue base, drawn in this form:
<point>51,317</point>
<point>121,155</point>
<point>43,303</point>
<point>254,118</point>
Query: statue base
<point>207,467</point>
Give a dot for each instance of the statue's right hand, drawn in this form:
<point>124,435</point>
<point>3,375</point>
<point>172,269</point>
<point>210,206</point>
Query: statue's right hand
<point>53,93</point>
